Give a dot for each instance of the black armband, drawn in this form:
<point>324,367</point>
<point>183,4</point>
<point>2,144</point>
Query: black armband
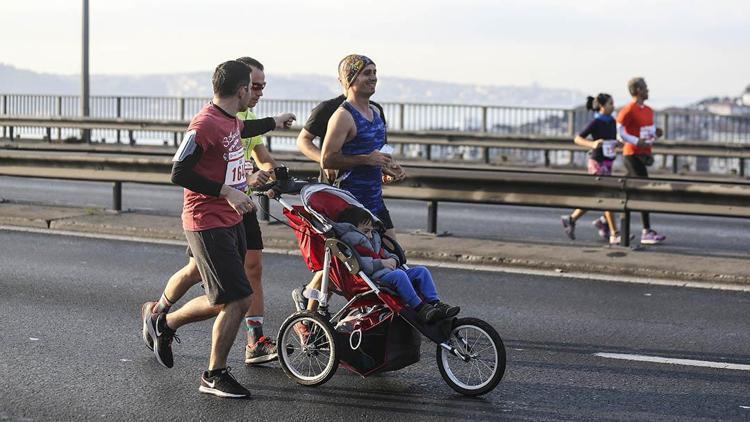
<point>257,127</point>
<point>183,174</point>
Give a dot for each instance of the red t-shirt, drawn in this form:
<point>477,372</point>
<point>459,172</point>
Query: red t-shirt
<point>222,160</point>
<point>638,120</point>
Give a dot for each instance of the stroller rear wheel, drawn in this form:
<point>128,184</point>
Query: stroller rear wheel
<point>479,362</point>
<point>307,348</point>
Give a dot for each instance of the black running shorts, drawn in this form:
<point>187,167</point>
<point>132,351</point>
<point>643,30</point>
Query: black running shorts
<point>220,255</point>
<point>252,231</point>
<point>385,217</point>
<point>253,236</point>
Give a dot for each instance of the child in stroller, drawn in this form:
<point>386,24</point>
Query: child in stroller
<point>413,285</point>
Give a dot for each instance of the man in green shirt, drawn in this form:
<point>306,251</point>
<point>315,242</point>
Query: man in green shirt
<point>259,347</point>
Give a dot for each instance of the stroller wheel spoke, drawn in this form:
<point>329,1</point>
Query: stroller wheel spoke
<point>320,367</point>
<point>488,366</point>
<point>298,357</point>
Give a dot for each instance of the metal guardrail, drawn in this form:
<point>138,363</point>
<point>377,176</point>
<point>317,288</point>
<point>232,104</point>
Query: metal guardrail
<point>507,120</point>
<point>435,184</point>
<point>487,143</point>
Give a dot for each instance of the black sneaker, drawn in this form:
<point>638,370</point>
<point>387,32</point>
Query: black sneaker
<point>446,310</point>
<point>428,313</point>
<point>145,317</point>
<point>163,336</point>
<point>263,351</point>
<point>300,301</point>
<point>223,385</point>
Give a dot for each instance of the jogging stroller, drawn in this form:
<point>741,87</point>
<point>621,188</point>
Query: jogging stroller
<point>374,331</point>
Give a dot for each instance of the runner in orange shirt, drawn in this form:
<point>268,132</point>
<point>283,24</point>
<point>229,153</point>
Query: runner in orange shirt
<point>635,126</point>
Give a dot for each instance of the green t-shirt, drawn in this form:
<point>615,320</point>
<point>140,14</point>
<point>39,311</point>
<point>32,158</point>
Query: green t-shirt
<point>249,143</point>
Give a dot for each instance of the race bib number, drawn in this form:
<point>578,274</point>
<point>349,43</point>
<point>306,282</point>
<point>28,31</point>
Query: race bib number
<point>609,148</point>
<point>235,176</point>
<point>648,133</point>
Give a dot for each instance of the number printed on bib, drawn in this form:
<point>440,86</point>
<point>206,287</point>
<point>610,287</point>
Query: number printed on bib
<point>609,148</point>
<point>235,176</point>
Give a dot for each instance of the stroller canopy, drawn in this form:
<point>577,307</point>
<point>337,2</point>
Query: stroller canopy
<point>326,202</point>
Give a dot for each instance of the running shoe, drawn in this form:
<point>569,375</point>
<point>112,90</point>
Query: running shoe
<point>223,385</point>
<point>264,350</point>
<point>651,237</point>
<point>614,239</point>
<point>569,225</point>
<point>300,301</point>
<point>602,227</point>
<point>162,336</point>
<point>146,310</point>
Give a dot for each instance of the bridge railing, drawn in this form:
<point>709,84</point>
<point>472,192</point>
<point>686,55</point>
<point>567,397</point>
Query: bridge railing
<point>477,147</point>
<point>541,121</point>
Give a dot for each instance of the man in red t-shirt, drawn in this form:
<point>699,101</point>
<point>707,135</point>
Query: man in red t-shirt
<point>260,348</point>
<point>209,164</point>
<point>635,125</point>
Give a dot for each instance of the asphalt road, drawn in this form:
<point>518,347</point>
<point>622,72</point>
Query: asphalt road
<point>71,347</point>
<point>685,234</point>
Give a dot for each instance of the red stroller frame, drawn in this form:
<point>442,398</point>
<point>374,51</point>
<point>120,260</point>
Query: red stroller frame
<point>374,332</point>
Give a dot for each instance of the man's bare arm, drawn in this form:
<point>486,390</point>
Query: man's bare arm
<point>306,146</point>
<point>263,158</point>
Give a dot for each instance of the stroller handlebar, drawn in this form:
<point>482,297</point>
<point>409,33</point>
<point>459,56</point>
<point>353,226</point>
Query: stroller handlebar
<point>278,187</point>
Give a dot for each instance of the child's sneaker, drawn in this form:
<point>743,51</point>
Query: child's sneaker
<point>428,313</point>
<point>651,237</point>
<point>602,227</point>
<point>569,225</point>
<point>300,301</point>
<point>446,310</point>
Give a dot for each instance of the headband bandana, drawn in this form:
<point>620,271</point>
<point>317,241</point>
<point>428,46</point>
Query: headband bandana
<point>351,66</point>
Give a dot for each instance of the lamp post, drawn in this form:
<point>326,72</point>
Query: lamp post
<point>86,133</point>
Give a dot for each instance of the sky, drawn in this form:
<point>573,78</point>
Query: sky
<point>686,50</point>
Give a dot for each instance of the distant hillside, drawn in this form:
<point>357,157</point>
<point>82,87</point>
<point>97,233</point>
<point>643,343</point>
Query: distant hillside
<point>281,86</point>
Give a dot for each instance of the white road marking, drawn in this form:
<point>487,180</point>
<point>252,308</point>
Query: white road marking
<point>430,263</point>
<point>673,361</point>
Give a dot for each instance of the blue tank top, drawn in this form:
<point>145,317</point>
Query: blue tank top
<point>364,182</point>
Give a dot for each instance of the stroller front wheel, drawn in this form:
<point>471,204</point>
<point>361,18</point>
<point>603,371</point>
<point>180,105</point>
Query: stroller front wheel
<point>479,362</point>
<point>307,349</point>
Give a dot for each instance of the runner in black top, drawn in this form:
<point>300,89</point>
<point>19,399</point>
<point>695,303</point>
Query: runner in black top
<point>316,127</point>
<point>603,150</point>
